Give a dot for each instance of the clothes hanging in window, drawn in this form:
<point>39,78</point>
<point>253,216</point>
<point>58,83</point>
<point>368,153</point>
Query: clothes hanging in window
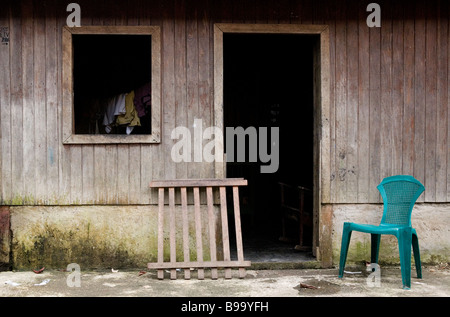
<point>142,99</point>
<point>130,117</point>
<point>115,107</point>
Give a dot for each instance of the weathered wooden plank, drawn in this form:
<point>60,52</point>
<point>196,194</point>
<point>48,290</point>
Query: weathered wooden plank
<point>351,170</point>
<point>156,86</point>
<point>198,230</point>
<point>341,105</point>
<point>200,265</point>
<point>40,129</point>
<point>409,97</point>
<point>123,173</point>
<point>168,87</point>
<point>192,64</point>
<point>363,108</point>
<point>321,137</point>
<point>160,230</point>
<point>100,186</point>
<point>270,28</point>
<point>430,103</point>
<point>386,119</point>
<point>148,153</point>
<point>111,170</point>
<point>327,147</point>
<point>64,87</point>
<point>199,182</point>
<point>67,82</point>
<point>212,230</point>
<point>110,139</point>
<point>442,140</point>
<point>397,86</point>
<point>237,225</point>
<point>28,125</point>
<point>331,17</point>
<point>172,232</point>
<point>135,194</point>
<point>52,39</point>
<point>419,95</point>
<point>158,155</point>
<point>5,113</point>
<point>109,27</point>
<point>87,175</point>
<point>89,194</point>
<point>225,233</point>
<point>76,175</point>
<point>218,95</point>
<point>375,176</point>
<point>204,78</point>
<point>62,78</point>
<point>186,254</point>
<point>180,76</point>
<point>445,12</point>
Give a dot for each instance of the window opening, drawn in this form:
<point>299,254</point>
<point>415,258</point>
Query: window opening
<point>112,83</point>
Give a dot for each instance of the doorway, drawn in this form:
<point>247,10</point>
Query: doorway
<point>268,81</point>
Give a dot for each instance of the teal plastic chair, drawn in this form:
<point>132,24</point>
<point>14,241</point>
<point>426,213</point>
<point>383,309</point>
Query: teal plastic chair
<point>399,195</point>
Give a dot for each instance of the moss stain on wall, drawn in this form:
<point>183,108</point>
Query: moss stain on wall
<point>53,247</point>
<point>95,236</point>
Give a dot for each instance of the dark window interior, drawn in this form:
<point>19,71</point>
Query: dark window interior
<point>268,81</point>
<point>105,66</point>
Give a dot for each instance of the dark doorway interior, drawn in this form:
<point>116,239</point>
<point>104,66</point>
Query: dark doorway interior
<point>268,82</point>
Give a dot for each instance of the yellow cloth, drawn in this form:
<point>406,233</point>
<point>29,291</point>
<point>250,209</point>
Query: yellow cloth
<point>130,117</point>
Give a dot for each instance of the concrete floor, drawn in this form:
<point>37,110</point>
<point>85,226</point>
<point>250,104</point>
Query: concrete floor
<point>257,283</point>
<point>270,250</point>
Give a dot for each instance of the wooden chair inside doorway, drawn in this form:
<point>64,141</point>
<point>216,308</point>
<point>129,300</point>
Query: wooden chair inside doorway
<point>294,208</point>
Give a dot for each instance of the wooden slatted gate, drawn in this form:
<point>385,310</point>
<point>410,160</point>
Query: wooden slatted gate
<point>200,264</point>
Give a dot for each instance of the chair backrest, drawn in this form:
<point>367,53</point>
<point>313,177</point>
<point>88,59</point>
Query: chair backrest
<point>399,195</point>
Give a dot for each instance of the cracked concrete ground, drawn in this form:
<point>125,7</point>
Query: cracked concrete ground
<point>257,283</point>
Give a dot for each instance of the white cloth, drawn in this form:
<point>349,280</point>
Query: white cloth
<point>115,107</point>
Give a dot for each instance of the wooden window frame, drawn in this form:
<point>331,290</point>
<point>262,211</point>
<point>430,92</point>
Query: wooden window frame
<point>68,127</point>
<point>321,191</point>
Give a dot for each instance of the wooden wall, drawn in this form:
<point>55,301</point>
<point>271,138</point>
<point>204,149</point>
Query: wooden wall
<point>389,97</point>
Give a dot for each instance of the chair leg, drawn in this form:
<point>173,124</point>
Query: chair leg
<point>415,245</point>
<point>375,247</point>
<point>346,235</point>
<point>404,243</point>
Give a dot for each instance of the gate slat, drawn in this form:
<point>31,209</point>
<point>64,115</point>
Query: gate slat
<point>160,230</point>
<point>198,231</point>
<point>173,245</point>
<point>186,251</point>
<point>225,235</point>
<point>237,222</point>
<point>212,230</point>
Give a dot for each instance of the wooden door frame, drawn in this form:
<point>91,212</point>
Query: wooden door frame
<point>322,224</point>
